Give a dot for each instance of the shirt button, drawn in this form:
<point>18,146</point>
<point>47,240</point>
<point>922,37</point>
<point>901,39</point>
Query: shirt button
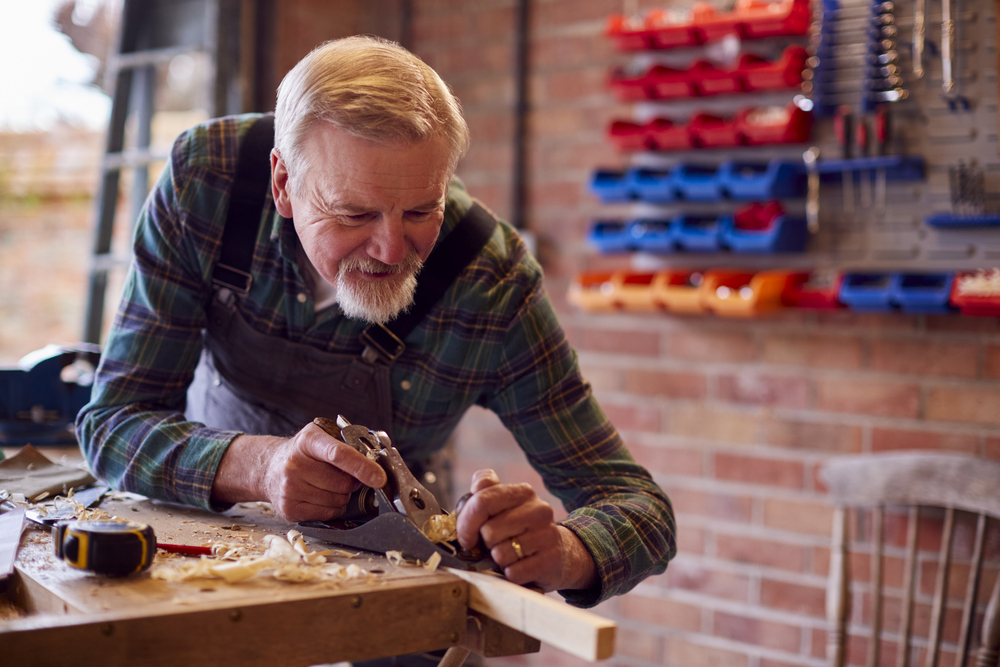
<point>405,384</point>
<point>302,297</point>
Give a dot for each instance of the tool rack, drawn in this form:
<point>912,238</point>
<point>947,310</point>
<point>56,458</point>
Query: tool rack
<point>881,154</point>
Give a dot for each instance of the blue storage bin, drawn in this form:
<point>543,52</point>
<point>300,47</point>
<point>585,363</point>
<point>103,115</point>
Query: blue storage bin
<point>777,179</point>
<point>652,185</point>
<point>922,292</point>
<point>867,291</point>
<point>698,233</point>
<point>786,234</point>
<point>697,183</point>
<point>653,235</point>
<point>610,186</point>
<point>610,236</point>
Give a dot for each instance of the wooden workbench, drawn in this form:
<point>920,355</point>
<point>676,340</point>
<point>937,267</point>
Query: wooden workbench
<point>142,620</point>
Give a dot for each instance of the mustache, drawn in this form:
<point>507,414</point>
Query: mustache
<point>410,264</point>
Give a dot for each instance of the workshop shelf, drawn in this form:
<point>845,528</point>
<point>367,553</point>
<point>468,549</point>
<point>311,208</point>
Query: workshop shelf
<point>652,185</point>
<point>922,292</point>
<point>628,136</point>
<point>679,290</point>
<point>698,233</point>
<point>635,292</point>
<point>732,293</point>
<point>697,182</point>
<point>610,186</point>
<point>809,290</point>
<point>764,229</point>
<point>708,79</point>
<point>867,291</point>
<point>610,236</point>
<point>594,291</point>
<point>775,179</point>
<point>653,235</point>
<point>759,74</point>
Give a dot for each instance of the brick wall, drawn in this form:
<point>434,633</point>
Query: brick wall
<point>733,418</point>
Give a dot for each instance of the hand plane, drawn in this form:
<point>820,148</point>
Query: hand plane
<point>394,517</point>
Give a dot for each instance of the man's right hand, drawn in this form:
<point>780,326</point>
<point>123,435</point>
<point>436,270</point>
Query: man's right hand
<point>308,477</point>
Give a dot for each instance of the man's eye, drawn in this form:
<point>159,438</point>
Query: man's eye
<point>419,215</point>
<point>358,218</point>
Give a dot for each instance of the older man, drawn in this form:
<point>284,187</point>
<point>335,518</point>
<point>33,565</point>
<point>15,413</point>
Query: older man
<point>211,363</point>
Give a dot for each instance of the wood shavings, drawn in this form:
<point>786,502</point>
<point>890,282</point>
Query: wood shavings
<point>441,528</point>
<point>983,283</point>
<point>394,557</point>
<point>433,562</point>
<point>284,559</point>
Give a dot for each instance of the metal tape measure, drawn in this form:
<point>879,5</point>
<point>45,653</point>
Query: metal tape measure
<point>106,547</point>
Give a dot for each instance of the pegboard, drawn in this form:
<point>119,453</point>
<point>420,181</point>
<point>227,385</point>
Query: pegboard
<point>863,232</point>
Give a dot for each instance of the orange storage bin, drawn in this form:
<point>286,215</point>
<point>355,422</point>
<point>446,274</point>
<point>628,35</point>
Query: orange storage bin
<point>594,291</point>
<point>679,290</point>
<point>635,292</point>
<point>743,293</point>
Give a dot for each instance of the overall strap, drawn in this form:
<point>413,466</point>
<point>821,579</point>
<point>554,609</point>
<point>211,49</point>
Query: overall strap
<point>448,259</point>
<point>246,204</point>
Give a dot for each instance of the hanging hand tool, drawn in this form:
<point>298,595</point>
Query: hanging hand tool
<point>395,517</point>
<point>919,36</point>
<point>843,122</point>
<point>864,175</point>
<point>947,48</point>
<point>810,158</point>
<point>112,548</point>
<point>881,124</point>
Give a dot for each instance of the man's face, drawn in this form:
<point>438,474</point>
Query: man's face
<point>367,214</point>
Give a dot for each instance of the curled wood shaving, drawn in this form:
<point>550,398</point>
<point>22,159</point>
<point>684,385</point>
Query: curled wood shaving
<point>441,528</point>
<point>433,562</point>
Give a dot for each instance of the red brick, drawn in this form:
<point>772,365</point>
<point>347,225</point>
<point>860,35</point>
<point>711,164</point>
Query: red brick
<point>771,390</point>
<point>976,325</point>
<point>890,439</point>
<point>991,369</point>
<point>665,384</point>
<point>840,352</point>
<point>796,598</point>
<point>756,470</point>
<point>798,516</point>
<point>638,645</point>
<point>567,12</point>
<point>568,85</point>
<point>569,51</point>
<point>715,346</point>
<point>855,320</point>
<point>690,576</point>
<point>690,538</point>
<point>679,652</point>
<point>669,460</point>
<point>923,357</point>
<point>991,449</point>
<point>601,377</point>
<point>770,634</point>
<point>868,396</point>
<point>766,553</point>
<point>706,423</point>
<point>640,343</point>
<point>814,436</point>
<point>555,194</point>
<point>661,611</point>
<point>632,418</point>
<point>714,504</point>
<point>972,404</point>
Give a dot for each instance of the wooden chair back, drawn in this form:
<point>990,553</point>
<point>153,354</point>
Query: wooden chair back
<point>912,480</point>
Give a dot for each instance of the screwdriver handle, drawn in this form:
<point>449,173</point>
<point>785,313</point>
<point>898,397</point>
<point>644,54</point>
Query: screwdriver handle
<point>842,126</point>
<point>882,129</point>
<point>861,137</point>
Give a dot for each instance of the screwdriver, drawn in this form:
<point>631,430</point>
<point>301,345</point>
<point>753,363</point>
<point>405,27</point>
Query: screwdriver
<point>882,147</point>
<point>842,127</point>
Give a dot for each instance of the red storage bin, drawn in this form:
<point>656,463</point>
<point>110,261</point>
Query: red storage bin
<point>629,87</point>
<point>665,33</point>
<point>760,18</point>
<point>628,136</point>
<point>713,131</point>
<point>975,293</point>
<point>628,34</point>
<point>805,290</point>
<point>711,24</point>
<point>666,135</point>
<point>666,83</point>
<point>760,126</point>
<point>707,79</point>
<point>760,74</point>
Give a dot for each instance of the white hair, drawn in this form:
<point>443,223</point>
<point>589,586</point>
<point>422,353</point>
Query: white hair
<point>372,88</point>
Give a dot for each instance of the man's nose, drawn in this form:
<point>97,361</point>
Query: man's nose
<point>388,242</point>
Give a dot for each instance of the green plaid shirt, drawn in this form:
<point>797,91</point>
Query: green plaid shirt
<point>493,340</point>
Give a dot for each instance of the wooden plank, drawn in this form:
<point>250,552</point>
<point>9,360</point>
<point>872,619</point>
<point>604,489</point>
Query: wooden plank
<point>581,633</point>
<point>490,638</point>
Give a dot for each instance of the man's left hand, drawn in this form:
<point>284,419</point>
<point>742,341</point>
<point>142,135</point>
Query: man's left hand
<point>519,529</point>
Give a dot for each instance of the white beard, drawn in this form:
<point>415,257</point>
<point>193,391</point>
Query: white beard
<point>377,302</point>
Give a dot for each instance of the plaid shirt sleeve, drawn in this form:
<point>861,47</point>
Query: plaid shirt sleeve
<point>619,513</point>
<point>133,432</point>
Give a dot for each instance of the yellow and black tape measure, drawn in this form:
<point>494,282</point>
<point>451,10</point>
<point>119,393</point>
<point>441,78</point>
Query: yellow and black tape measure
<point>106,547</point>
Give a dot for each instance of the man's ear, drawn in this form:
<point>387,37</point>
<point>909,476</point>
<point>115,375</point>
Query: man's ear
<point>279,185</point>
